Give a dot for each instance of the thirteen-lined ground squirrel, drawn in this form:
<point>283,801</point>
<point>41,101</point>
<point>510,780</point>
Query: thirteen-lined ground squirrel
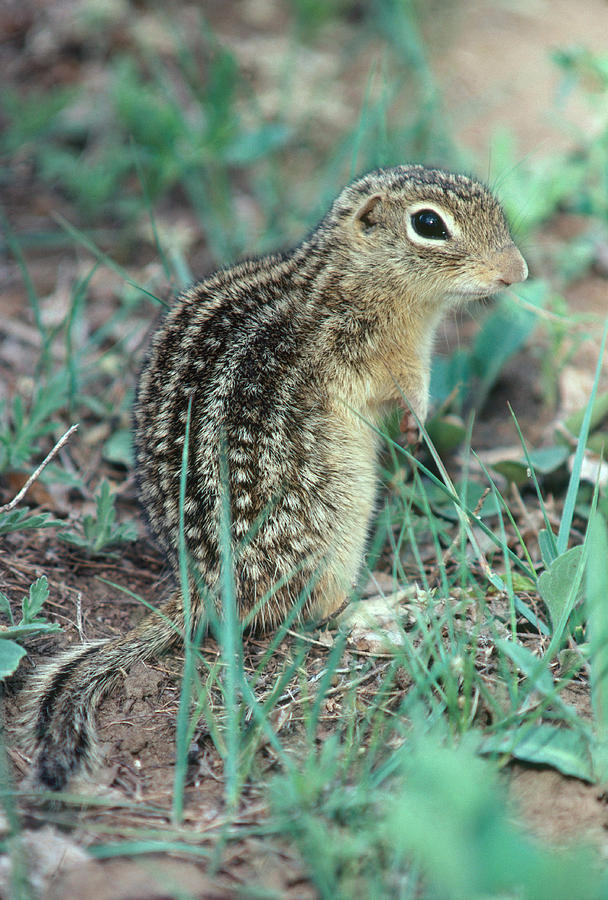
<point>284,361</point>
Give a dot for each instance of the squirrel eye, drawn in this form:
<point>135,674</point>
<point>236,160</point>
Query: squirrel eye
<point>429,224</point>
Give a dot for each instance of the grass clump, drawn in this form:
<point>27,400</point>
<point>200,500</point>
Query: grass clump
<point>430,821</point>
<point>101,531</point>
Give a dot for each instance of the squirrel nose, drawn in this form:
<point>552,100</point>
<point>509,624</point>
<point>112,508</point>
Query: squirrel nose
<point>510,265</point>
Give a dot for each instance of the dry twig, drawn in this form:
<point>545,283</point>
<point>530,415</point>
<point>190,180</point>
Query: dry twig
<point>21,494</point>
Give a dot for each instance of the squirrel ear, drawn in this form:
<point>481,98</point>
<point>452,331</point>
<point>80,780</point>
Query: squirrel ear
<point>365,216</point>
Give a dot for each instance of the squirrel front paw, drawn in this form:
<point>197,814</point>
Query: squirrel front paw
<point>409,428</point>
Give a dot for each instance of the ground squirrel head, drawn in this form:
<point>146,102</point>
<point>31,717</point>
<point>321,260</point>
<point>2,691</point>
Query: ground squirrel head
<point>440,237</point>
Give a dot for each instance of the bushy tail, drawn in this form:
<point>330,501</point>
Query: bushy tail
<point>60,718</point>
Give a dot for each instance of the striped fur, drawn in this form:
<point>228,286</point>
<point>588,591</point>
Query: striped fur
<point>283,360</point>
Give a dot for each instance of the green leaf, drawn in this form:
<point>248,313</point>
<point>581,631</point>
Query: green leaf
<point>599,411</point>
<point>101,530</point>
<point>70,537</point>
<point>575,476</point>
<point>548,459</point>
<point>11,655</point>
<point>5,607</point>
<point>18,520</point>
<point>32,604</point>
<point>119,448</point>
<point>450,377</point>
<point>544,461</point>
<point>597,610</point>
<point>470,492</point>
<point>538,185</point>
<point>531,666</point>
<point>565,750</point>
<point>546,543</point>
<point>573,660</point>
<point>522,583</point>
<point>560,585</point>
<point>21,435</point>
<point>514,470</point>
<point>446,432</point>
<point>37,626</point>
<point>598,443</point>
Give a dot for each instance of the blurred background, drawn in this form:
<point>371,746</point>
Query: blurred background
<point>178,136</point>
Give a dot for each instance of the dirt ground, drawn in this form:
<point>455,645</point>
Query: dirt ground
<point>493,63</point>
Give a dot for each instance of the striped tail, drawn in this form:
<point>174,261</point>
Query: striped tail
<point>60,720</point>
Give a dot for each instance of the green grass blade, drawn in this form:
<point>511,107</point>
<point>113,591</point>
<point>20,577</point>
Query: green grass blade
<point>231,643</point>
<point>148,204</point>
<point>85,241</point>
<point>362,124</point>
<point>449,490</point>
<point>14,247</point>
<point>597,610</point>
<point>464,514</point>
<point>570,501</point>
<point>72,358</point>
<point>501,502</point>
<point>549,536</point>
<point>183,714</point>
<point>136,848</point>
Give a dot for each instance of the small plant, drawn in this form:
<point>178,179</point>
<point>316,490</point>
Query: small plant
<point>19,520</point>
<point>21,428</point>
<point>101,531</point>
<point>11,652</point>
